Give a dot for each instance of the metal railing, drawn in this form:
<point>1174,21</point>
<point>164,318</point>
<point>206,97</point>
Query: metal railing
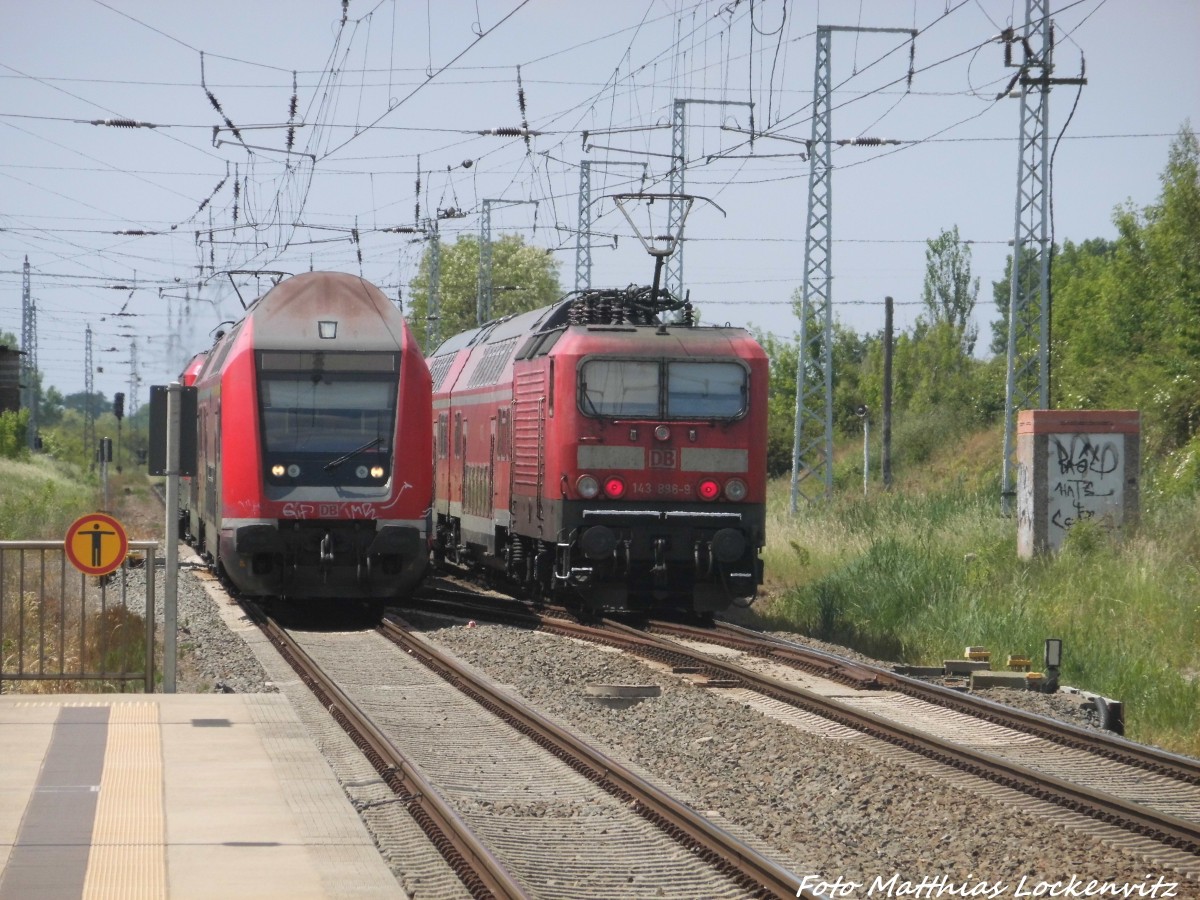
<point>59,625</point>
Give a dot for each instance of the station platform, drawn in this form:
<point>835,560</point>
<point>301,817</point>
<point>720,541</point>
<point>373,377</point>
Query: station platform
<point>179,795</point>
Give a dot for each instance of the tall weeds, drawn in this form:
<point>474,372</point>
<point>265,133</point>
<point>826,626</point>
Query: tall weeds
<point>916,577</point>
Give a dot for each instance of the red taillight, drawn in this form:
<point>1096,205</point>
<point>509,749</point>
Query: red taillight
<point>614,487</point>
<point>709,489</point>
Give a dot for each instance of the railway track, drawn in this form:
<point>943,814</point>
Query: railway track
<point>1140,791</point>
<point>480,872</point>
<point>867,677</point>
<point>742,870</point>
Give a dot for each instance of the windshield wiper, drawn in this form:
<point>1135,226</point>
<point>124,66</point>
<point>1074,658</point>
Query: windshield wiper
<point>333,464</point>
<point>588,402</point>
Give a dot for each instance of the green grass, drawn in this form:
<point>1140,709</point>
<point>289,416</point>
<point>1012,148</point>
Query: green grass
<point>913,575</point>
<point>40,499</point>
<point>917,574</point>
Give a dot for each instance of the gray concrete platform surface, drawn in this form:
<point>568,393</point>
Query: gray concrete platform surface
<point>180,795</point>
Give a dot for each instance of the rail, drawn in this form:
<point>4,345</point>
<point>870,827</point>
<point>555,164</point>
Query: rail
<point>761,876</point>
<point>480,872</point>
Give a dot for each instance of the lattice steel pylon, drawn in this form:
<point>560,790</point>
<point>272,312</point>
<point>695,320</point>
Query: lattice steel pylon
<point>812,447</point>
<point>1028,368</point>
<point>483,303</point>
<point>583,238</point>
<point>674,264</point>
<point>135,381</point>
<point>28,377</point>
<point>433,330</point>
<point>89,410</point>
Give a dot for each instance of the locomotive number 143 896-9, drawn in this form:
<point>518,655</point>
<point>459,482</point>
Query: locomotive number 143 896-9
<point>661,489</point>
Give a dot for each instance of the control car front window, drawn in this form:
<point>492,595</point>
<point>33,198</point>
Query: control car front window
<point>330,408</point>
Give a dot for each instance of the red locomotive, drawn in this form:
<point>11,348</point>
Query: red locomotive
<point>595,451</point>
<point>313,470</point>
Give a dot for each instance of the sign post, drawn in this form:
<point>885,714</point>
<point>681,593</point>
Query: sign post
<point>171,584</point>
<point>96,544</point>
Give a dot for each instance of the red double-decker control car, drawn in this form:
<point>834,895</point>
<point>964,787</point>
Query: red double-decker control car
<point>313,473</point>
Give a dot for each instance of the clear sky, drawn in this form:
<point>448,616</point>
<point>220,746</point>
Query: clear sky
<point>399,91</point>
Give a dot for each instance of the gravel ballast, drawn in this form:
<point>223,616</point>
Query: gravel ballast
<point>830,808</point>
<point>825,808</point>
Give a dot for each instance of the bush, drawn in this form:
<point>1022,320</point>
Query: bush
<point>14,427</point>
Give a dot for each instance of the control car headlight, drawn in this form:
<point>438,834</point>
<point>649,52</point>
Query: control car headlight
<point>376,471</point>
<point>293,471</point>
<point>361,472</point>
<point>277,470</point>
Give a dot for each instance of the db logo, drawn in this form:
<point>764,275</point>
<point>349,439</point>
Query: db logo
<point>662,459</point>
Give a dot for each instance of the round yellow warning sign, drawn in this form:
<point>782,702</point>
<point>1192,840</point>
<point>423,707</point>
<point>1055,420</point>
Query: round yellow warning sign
<point>96,544</point>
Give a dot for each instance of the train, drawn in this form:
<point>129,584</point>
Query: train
<point>313,472</point>
<point>607,451</point>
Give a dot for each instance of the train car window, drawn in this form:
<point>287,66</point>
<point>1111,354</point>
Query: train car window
<point>503,435</point>
<point>320,361</point>
<point>705,390</point>
<point>442,428</point>
<point>619,388</point>
<point>458,434</point>
<point>218,359</point>
<point>327,402</point>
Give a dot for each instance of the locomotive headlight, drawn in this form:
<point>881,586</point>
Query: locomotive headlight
<point>376,471</point>
<point>735,489</point>
<point>361,472</point>
<point>709,489</point>
<point>277,470</point>
<point>662,432</point>
<point>614,487</point>
<point>293,471</point>
<point>588,486</point>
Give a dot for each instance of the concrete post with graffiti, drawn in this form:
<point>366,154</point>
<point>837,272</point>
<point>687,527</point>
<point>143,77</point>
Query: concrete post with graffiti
<point>1075,465</point>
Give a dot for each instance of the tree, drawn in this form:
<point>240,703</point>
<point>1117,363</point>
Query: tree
<point>50,410</point>
<point>82,402</point>
<point>523,278</point>
<point>849,351</point>
<point>1126,321</point>
<point>949,294</point>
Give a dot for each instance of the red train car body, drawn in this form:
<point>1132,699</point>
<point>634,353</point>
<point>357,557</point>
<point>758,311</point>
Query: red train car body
<point>313,470</point>
<point>603,455</point>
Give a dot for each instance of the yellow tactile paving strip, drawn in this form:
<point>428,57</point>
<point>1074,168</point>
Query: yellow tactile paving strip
<point>128,857</point>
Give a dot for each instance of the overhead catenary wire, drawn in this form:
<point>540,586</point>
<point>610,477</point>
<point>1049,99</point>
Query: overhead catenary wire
<point>259,203</point>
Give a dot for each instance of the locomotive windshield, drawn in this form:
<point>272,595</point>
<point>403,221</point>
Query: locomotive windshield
<point>662,389</point>
<point>327,402</point>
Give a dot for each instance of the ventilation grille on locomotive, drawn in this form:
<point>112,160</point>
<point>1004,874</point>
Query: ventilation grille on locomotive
<point>489,368</point>
<point>439,367</point>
